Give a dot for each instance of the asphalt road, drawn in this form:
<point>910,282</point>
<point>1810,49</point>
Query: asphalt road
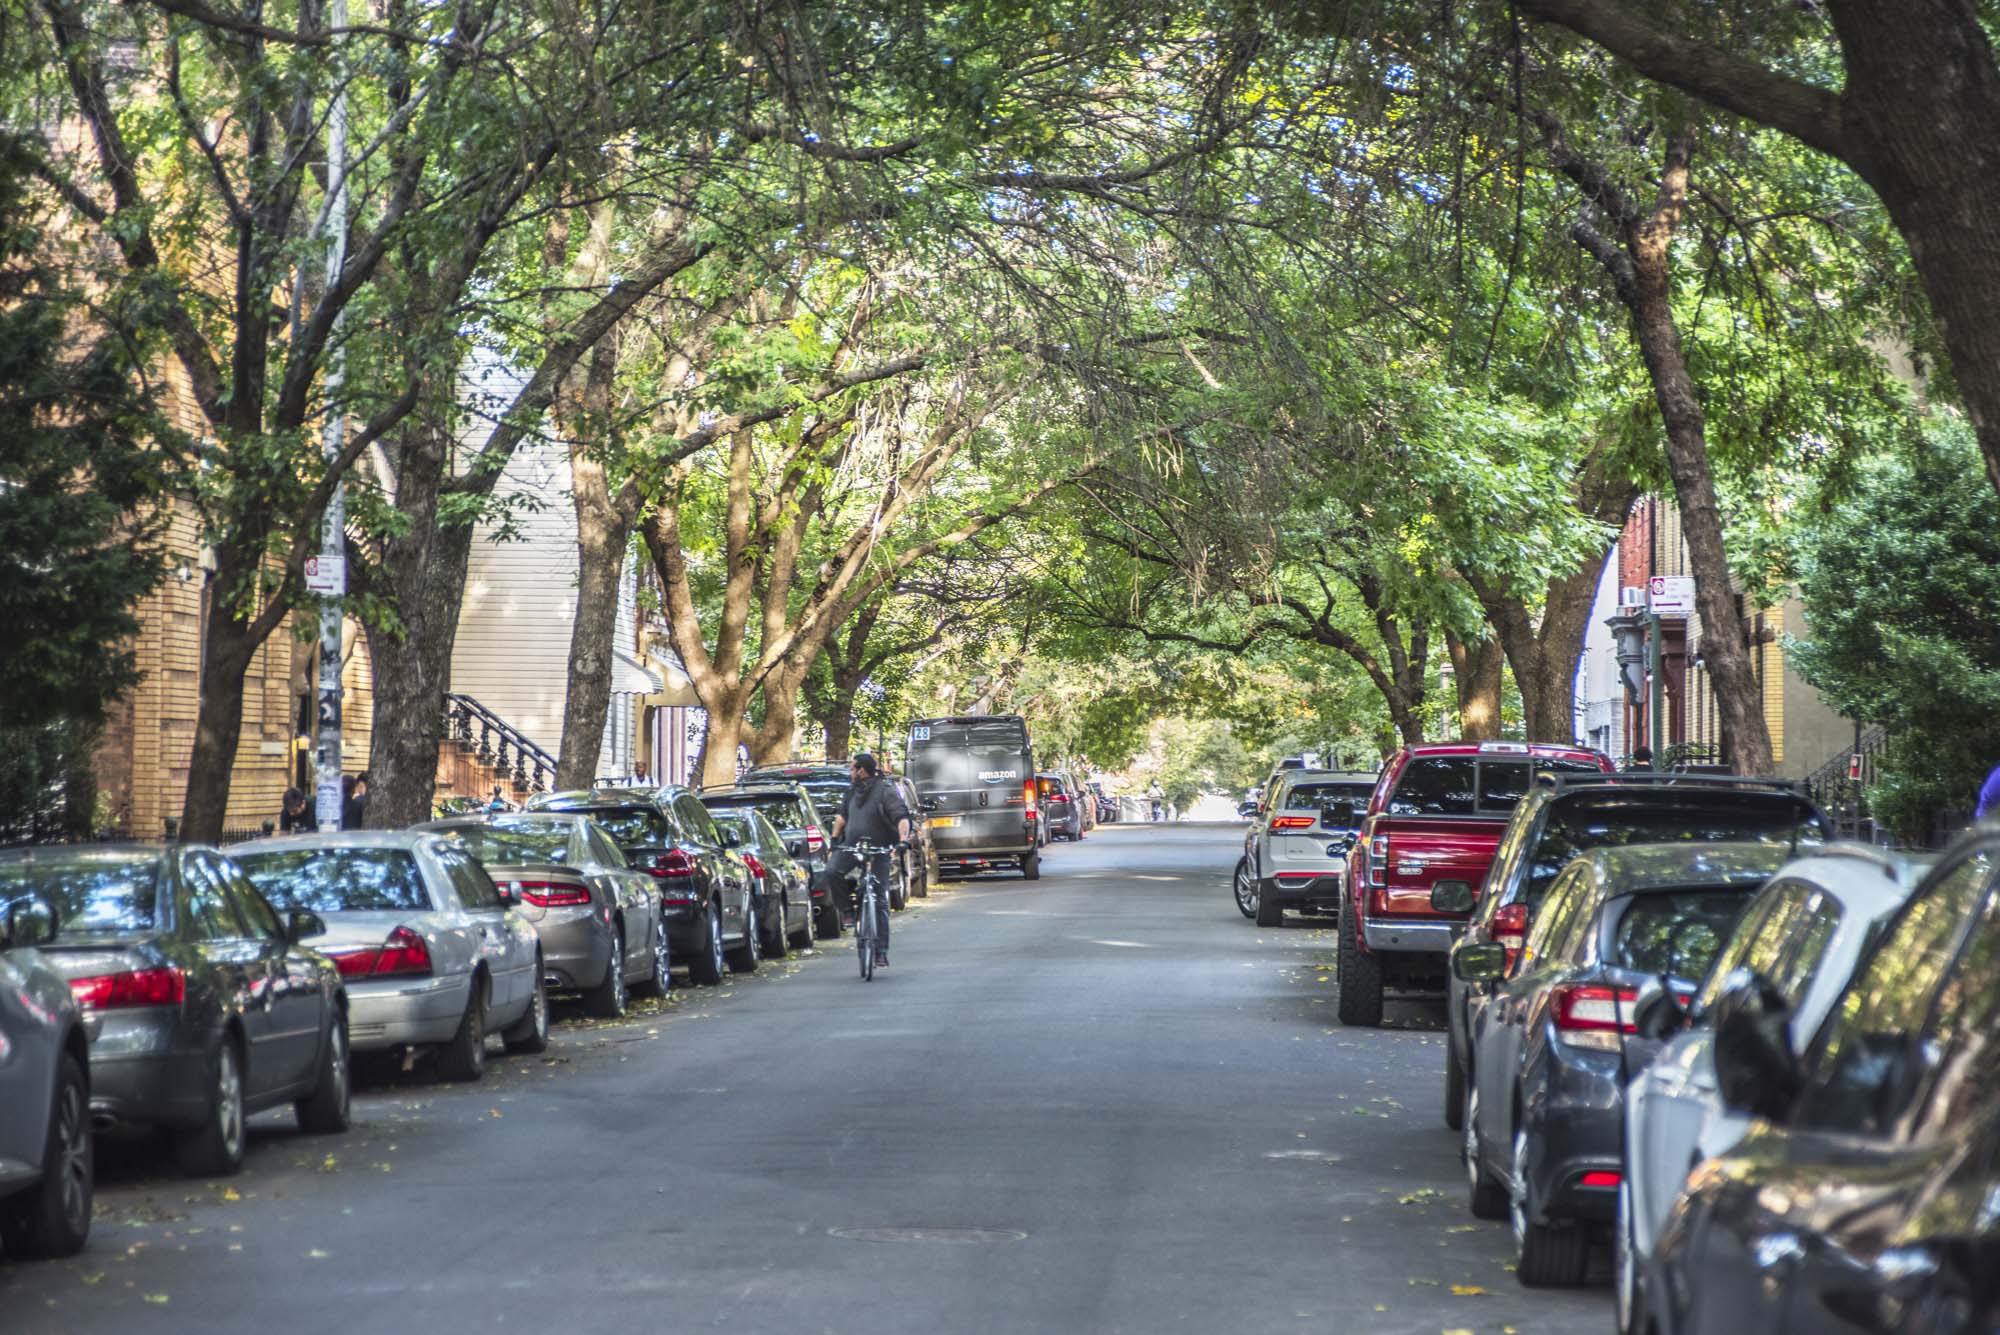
<point>1141,1103</point>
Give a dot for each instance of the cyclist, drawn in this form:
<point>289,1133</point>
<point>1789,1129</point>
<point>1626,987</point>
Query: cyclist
<point>872,813</point>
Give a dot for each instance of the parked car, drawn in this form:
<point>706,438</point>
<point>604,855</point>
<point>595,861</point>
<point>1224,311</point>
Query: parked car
<point>1062,811</point>
<point>48,1157</point>
<point>1803,933</point>
<point>827,781</point>
<point>919,866</point>
<point>1556,1042</point>
<point>1107,805</point>
<point>1436,813</point>
<point>1295,857</point>
<point>1568,814</point>
<point>783,892</point>
<point>791,808</point>
<point>434,954</point>
<point>704,891</point>
<point>977,776</point>
<point>1862,1200</point>
<point>200,1004</point>
<point>1086,801</point>
<point>588,906</point>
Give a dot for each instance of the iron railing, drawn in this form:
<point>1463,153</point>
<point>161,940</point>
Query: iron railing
<point>1840,786</point>
<point>498,743</point>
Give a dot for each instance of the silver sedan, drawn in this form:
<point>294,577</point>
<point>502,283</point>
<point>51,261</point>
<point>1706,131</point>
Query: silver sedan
<point>432,951</point>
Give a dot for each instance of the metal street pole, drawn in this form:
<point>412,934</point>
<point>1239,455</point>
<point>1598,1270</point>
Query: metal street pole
<point>333,535</point>
<point>1656,714</point>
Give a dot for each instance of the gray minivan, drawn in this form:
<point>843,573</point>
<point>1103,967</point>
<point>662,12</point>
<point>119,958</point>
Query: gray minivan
<point>977,776</point>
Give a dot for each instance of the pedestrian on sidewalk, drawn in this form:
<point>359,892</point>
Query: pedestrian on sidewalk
<point>354,801</point>
<point>1642,759</point>
<point>1989,796</point>
<point>297,815</point>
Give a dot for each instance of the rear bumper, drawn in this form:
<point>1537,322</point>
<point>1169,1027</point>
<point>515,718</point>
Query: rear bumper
<point>576,948</point>
<point>155,1089</point>
<point>1409,935</point>
<point>1304,889</point>
<point>1579,1133</point>
<point>394,1013</point>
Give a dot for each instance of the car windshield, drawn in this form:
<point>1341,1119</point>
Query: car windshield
<point>509,846</point>
<point>92,893</point>
<point>1677,932</point>
<point>338,880</point>
<point>1577,827</point>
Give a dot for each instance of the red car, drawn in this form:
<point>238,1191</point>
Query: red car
<point>1437,813</point>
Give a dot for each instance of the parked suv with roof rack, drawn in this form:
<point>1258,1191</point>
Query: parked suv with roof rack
<point>1295,855</point>
<point>1436,814</point>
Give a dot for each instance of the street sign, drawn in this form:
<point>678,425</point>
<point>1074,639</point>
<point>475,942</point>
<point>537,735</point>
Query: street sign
<point>327,805</point>
<point>1671,595</point>
<point>326,576</point>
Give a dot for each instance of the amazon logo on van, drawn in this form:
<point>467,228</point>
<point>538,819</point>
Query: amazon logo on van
<point>996,775</point>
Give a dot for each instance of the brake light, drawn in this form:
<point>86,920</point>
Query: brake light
<point>673,862</point>
<point>1058,797</point>
<point>1291,822</point>
<point>1599,1178</point>
<point>1378,859</point>
<point>815,840</point>
<point>756,867</point>
<point>1588,1015</point>
<point>1510,928</point>
<point>135,987</point>
<point>404,953</point>
<point>550,894</point>
<point>1028,793</point>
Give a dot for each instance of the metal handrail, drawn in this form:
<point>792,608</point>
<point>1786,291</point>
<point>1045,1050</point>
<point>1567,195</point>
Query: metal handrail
<point>1845,798</point>
<point>498,743</point>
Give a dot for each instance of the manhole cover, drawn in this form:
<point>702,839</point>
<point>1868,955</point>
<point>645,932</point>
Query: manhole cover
<point>944,1235</point>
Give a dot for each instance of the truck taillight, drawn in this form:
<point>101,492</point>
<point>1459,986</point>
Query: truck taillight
<point>134,987</point>
<point>1588,1015</point>
<point>1378,859</point>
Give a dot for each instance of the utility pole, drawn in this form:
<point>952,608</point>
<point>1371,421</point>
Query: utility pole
<point>331,583</point>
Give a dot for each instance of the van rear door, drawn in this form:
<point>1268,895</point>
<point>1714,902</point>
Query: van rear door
<point>977,774</point>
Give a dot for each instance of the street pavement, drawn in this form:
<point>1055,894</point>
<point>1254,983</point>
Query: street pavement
<point>1099,1102</point>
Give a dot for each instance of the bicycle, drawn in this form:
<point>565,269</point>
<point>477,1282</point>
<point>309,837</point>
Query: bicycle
<point>866,931</point>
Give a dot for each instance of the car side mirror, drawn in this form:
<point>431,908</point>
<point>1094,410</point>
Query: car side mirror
<point>1756,1071</point>
<point>1658,1013</point>
<point>30,922</point>
<point>1452,897</point>
<point>1479,962</point>
<point>302,923</point>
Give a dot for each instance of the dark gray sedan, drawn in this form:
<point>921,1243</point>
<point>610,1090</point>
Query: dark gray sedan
<point>47,1159</point>
<point>586,903</point>
<point>784,893</point>
<point>200,1005</point>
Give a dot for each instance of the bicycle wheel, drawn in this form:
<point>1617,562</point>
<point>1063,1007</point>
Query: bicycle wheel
<point>864,935</point>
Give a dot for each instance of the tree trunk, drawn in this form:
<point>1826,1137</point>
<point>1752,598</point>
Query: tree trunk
<point>726,729</point>
<point>227,648</point>
<point>772,744</point>
<point>603,534</point>
<point>837,722</point>
<point>1544,656</point>
<point>1476,672</point>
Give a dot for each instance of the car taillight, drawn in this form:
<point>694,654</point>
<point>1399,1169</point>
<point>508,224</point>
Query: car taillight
<point>1588,1015</point>
<point>756,867</point>
<point>1599,1177</point>
<point>550,894</point>
<point>1028,794</point>
<point>1291,822</point>
<point>404,953</point>
<point>1510,928</point>
<point>673,862</point>
<point>815,840</point>
<point>135,987</point>
<point>1378,860</point>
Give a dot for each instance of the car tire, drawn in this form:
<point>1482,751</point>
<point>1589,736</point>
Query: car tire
<point>922,889</point>
<point>54,1218</point>
<point>463,1058</point>
<point>1489,1198</point>
<point>607,1000</point>
<point>745,957</point>
<point>1031,867</point>
<point>1454,1086</point>
<point>706,968</point>
<point>1245,887</point>
<point>803,938</point>
<point>530,1033</point>
<point>899,893</point>
<point>327,1110</point>
<point>1360,977</point>
<point>1270,913</point>
<point>777,941</point>
<point>1544,1257</point>
<point>1628,1286</point>
<point>216,1147</point>
<point>661,980</point>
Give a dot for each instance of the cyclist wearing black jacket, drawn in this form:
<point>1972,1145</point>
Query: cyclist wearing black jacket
<point>873,813</point>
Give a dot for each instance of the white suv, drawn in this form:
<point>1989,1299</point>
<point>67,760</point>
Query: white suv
<point>1296,851</point>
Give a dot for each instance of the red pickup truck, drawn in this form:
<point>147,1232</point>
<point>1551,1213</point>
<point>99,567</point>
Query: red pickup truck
<point>1436,814</point>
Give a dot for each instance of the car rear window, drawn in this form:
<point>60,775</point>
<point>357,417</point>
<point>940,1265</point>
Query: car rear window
<point>633,827</point>
<point>997,734</point>
<point>91,894</point>
<point>338,880</point>
<point>829,796</point>
<point>1575,828</point>
<point>780,808</point>
<point>1677,932</point>
<point>1472,785</point>
<point>504,846</point>
<point>1340,804</point>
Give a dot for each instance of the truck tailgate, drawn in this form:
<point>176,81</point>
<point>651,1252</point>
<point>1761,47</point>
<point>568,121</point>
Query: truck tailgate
<point>1424,850</point>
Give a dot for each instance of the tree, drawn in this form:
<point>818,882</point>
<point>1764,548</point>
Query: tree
<point>1903,620</point>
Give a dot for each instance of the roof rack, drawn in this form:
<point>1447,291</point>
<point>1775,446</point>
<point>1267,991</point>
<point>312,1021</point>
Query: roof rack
<point>1642,778</point>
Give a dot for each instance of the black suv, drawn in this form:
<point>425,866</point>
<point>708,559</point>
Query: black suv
<point>705,890</point>
<point>1564,815</point>
<point>808,833</point>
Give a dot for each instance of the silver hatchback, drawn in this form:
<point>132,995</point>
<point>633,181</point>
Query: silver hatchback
<point>47,1159</point>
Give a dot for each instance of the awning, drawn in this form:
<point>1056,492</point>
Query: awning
<point>631,677</point>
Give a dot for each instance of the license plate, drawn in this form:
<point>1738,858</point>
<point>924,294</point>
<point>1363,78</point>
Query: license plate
<point>943,822</point>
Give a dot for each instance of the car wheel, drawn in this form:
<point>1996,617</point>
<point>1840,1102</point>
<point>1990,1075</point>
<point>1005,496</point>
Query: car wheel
<point>744,958</point>
<point>1270,913</point>
<point>706,968</point>
<point>1360,984</point>
<point>607,1000</point>
<point>464,1057</point>
<point>803,938</point>
<point>327,1112</point>
<point>54,1218</point>
<point>215,1148</point>
<point>531,1032</point>
<point>899,893</point>
<point>923,886</point>
<point>1031,867</point>
<point>1544,1257</point>
<point>1245,886</point>
<point>1626,1285</point>
<point>1489,1198</point>
<point>1454,1086</point>
<point>777,943</point>
<point>662,979</point>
